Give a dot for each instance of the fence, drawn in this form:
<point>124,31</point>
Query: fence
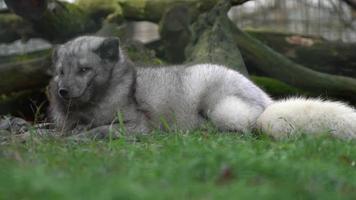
<point>332,19</point>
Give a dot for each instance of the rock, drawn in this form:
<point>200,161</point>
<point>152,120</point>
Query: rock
<point>14,125</point>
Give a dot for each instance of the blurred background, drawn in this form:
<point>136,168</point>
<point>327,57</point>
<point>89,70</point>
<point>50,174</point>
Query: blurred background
<point>331,19</point>
<point>318,35</point>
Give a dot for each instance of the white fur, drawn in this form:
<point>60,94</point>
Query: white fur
<point>310,116</point>
<point>185,96</point>
<point>231,113</point>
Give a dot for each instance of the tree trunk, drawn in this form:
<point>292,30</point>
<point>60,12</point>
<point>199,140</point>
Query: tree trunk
<point>212,40</point>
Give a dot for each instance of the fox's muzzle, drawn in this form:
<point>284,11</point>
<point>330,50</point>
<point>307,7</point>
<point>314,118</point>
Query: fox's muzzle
<point>63,93</point>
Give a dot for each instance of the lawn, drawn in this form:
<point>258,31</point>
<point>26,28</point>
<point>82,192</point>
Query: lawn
<point>195,165</point>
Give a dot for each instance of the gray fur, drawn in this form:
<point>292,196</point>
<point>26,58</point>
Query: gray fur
<point>185,97</point>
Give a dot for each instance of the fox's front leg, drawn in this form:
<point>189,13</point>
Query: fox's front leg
<point>112,131</point>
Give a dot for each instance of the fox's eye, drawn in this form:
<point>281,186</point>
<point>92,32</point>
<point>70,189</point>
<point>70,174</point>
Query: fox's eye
<point>84,69</point>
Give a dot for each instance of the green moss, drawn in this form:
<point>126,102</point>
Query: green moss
<point>24,57</point>
<point>141,55</point>
<point>276,88</point>
<point>9,19</point>
<point>135,8</point>
<point>13,27</point>
<point>213,40</point>
<point>109,9</point>
<point>64,22</point>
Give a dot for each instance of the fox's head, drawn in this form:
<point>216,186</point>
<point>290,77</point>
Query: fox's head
<point>83,67</point>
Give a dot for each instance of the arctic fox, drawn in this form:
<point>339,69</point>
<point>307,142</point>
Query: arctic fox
<point>96,89</point>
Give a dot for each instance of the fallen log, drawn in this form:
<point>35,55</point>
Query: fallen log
<point>24,75</point>
<point>13,27</point>
<point>58,21</point>
<point>278,89</point>
<point>54,20</point>
<point>313,52</point>
<point>279,67</point>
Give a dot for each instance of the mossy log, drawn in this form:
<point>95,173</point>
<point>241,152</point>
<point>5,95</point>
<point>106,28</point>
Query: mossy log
<point>59,21</point>
<point>13,27</point>
<point>280,67</point>
<point>313,52</point>
<point>53,20</point>
<point>278,89</point>
<point>154,10</point>
<point>24,74</point>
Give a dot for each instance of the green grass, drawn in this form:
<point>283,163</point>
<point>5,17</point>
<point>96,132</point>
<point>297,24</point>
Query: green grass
<point>196,165</point>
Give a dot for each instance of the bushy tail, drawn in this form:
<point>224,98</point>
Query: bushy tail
<point>308,116</point>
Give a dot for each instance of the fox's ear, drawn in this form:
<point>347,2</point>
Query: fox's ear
<point>51,70</point>
<point>54,54</point>
<point>109,49</point>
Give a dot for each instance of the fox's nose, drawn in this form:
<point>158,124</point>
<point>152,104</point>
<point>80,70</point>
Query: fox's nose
<point>63,93</point>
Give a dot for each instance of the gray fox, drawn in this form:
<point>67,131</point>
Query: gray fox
<point>97,89</point>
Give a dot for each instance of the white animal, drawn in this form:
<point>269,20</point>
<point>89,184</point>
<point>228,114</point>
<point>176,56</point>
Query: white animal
<point>95,81</point>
